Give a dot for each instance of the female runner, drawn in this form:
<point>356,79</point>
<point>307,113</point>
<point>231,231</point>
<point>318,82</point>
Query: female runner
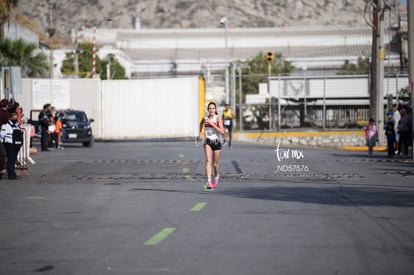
<point>214,129</point>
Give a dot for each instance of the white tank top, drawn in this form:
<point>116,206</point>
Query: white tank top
<point>210,131</point>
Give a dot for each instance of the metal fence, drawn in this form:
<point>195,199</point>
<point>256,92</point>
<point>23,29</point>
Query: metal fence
<point>122,109</point>
<point>256,117</point>
<point>317,102</point>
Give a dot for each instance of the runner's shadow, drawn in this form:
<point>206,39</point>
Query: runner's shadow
<point>355,196</point>
<point>136,189</point>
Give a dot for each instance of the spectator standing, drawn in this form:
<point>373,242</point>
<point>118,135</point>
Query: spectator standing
<point>4,118</point>
<point>58,132</point>
<point>23,119</point>
<point>404,129</point>
<point>12,136</point>
<point>396,116</point>
<point>390,134</point>
<point>61,115</point>
<point>371,135</point>
<point>44,126</point>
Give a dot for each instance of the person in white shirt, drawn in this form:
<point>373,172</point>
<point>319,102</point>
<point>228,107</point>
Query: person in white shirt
<point>11,135</point>
<point>396,116</point>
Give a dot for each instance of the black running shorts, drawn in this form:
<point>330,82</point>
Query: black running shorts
<point>214,144</point>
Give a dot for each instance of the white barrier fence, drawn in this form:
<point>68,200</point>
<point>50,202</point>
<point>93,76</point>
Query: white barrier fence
<point>121,109</point>
<point>157,108</point>
<point>23,157</point>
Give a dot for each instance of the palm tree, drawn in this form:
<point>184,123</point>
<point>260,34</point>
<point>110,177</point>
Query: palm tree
<point>20,53</point>
<point>5,9</point>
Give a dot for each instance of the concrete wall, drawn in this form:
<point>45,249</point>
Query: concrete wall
<point>327,139</point>
<point>148,108</point>
<point>122,109</point>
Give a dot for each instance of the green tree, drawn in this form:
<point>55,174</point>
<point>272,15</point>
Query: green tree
<point>20,53</point>
<point>85,64</point>
<point>6,7</point>
<point>116,69</point>
<point>258,71</point>
<point>84,61</point>
<point>361,67</point>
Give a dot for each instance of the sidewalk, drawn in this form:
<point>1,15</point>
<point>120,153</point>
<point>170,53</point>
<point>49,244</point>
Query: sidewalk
<point>350,140</point>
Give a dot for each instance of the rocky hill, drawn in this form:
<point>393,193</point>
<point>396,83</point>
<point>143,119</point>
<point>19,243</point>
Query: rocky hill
<point>65,15</point>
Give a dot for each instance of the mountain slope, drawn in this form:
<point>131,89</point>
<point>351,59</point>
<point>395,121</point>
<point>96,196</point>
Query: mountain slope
<point>192,14</point>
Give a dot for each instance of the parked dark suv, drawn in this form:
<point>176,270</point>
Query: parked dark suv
<point>77,128</point>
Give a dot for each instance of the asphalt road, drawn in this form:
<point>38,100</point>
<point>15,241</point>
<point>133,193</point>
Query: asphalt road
<point>140,208</point>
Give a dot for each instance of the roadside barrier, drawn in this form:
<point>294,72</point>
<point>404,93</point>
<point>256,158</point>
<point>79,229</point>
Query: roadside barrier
<point>23,158</point>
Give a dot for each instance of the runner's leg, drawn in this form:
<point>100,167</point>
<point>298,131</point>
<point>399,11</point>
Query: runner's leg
<point>208,153</point>
<point>216,157</point>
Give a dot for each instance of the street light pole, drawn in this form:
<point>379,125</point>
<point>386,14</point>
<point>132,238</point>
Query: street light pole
<point>76,60</point>
<point>240,99</point>
<point>305,107</point>
<point>233,86</point>
<point>223,21</point>
<point>108,71</point>
<point>380,72</point>
<point>269,74</point>
<point>240,67</point>
<point>51,32</point>
<point>74,36</point>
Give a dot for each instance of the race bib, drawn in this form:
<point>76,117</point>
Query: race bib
<point>227,122</point>
<point>211,133</point>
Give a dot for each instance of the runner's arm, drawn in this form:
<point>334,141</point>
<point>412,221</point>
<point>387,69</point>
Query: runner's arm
<point>220,127</point>
<point>200,131</point>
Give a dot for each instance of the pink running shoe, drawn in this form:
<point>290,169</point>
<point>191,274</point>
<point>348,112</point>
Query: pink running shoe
<point>209,185</point>
<point>215,181</point>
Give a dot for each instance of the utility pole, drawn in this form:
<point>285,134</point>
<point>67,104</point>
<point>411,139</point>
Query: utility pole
<point>223,21</point>
<point>373,83</point>
<point>379,113</point>
<point>233,86</point>
<point>410,10</point>
<point>51,32</point>
<point>74,36</point>
<point>269,58</point>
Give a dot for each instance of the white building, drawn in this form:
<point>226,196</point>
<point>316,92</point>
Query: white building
<point>152,52</point>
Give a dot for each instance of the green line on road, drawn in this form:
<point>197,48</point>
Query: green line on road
<point>198,206</point>
<point>157,238</point>
<point>189,178</point>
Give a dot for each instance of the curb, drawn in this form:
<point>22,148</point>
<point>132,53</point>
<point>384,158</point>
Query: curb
<point>251,136</point>
<point>298,134</point>
<point>364,148</point>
